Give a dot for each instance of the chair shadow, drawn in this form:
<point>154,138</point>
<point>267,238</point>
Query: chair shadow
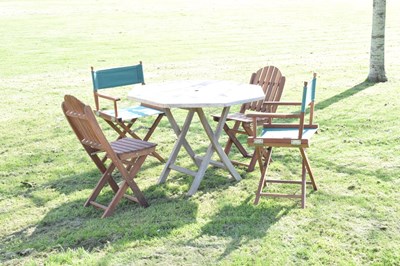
<point>72,226</point>
<point>241,224</point>
<point>77,182</point>
<point>345,94</point>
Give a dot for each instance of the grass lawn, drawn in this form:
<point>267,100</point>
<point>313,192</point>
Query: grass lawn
<point>46,51</point>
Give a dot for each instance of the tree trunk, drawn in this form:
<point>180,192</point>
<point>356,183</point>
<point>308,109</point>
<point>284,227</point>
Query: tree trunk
<point>377,57</point>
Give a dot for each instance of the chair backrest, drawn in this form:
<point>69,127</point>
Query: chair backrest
<point>308,99</point>
<point>85,125</point>
<point>116,77</point>
<point>272,82</point>
<point>309,93</point>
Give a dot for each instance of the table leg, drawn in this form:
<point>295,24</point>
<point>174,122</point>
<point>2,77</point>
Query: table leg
<point>177,131</point>
<point>178,144</point>
<point>214,145</point>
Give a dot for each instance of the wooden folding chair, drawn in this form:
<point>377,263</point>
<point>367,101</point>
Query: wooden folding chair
<point>286,135</point>
<point>271,80</point>
<point>126,155</point>
<point>122,119</point>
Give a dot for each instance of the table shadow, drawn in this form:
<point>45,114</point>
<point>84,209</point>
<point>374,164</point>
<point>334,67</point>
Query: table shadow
<point>240,224</point>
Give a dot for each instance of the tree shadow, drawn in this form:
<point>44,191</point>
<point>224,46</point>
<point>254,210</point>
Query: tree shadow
<point>72,226</point>
<point>345,94</point>
<point>241,224</point>
<point>350,169</point>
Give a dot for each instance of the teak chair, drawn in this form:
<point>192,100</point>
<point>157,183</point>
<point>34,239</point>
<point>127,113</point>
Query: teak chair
<point>287,135</point>
<point>272,82</point>
<point>126,155</point>
<point>122,119</point>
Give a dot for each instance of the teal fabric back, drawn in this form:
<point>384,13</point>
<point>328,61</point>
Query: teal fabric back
<point>308,94</point>
<point>115,77</point>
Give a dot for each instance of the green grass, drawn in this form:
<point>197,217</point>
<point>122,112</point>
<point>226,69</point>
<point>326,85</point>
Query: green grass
<point>46,51</point>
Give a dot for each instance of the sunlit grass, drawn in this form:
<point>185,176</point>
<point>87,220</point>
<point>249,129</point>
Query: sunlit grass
<point>46,51</point>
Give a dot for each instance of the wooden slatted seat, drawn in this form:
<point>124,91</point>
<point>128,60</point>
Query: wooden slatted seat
<point>126,155</point>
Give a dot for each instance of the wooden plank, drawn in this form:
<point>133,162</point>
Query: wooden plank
<point>279,195</point>
<point>182,170</point>
<point>98,205</point>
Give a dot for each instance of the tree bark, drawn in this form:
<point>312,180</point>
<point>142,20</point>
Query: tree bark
<point>377,56</point>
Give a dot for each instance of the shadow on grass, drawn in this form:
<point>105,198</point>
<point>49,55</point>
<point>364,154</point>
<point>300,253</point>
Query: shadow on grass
<point>71,183</point>
<point>241,224</point>
<point>382,174</point>
<point>345,94</point>
<point>72,226</point>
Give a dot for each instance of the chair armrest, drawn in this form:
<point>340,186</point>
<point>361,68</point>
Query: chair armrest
<point>114,99</point>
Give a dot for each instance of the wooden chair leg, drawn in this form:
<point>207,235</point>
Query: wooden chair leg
<point>308,168</point>
<point>132,184</point>
<point>100,184</point>
<point>128,182</point>
<point>253,161</point>
<point>117,197</point>
<point>303,184</point>
<point>229,143</point>
<point>153,127</point>
<point>233,140</point>
<point>102,168</point>
<point>254,158</point>
<point>263,170</point>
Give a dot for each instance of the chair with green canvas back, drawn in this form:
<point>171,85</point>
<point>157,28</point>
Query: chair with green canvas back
<point>126,155</point>
<point>286,135</point>
<point>272,82</point>
<point>122,119</point>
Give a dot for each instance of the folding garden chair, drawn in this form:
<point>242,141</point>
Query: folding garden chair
<point>286,135</point>
<point>126,155</point>
<point>122,119</point>
<point>271,80</point>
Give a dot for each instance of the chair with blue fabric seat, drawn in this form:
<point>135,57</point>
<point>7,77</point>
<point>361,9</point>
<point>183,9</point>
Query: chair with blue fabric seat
<point>122,119</point>
<point>286,135</point>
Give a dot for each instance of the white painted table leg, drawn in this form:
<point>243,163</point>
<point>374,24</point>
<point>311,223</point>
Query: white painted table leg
<point>214,140</point>
<point>214,145</point>
<point>178,144</point>
<point>177,131</point>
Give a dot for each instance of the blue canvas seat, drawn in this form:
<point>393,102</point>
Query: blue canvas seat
<point>287,135</point>
<point>122,119</point>
<point>133,112</point>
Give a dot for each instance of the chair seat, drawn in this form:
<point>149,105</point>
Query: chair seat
<point>125,147</point>
<point>286,133</point>
<point>130,113</point>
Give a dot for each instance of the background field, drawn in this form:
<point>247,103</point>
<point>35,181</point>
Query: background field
<point>46,50</point>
